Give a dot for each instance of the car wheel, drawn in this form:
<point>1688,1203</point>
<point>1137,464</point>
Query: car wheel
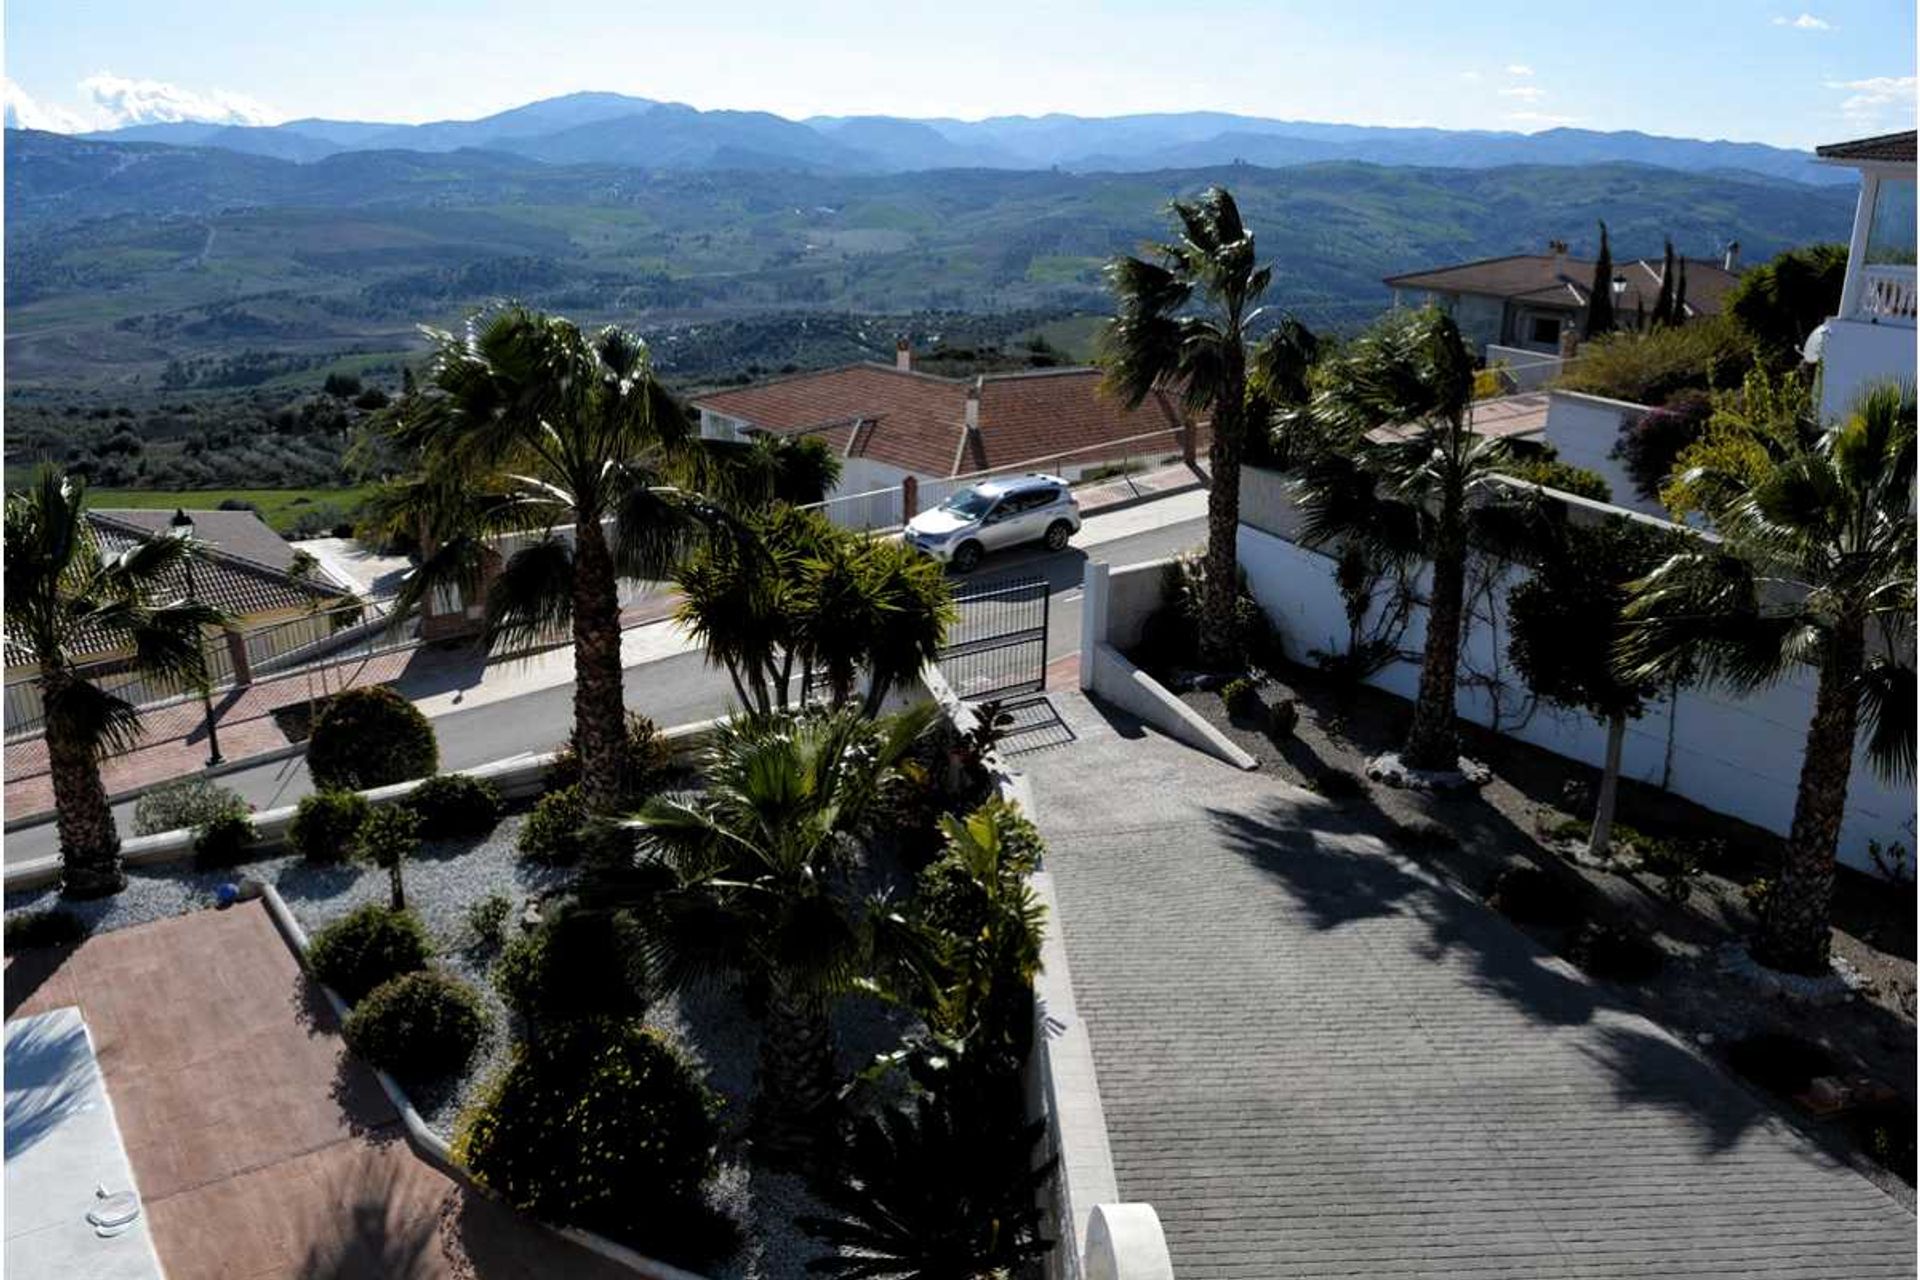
<point>1057,534</point>
<point>965,557</point>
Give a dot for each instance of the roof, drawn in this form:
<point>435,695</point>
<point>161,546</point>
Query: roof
<point>238,533</point>
<point>1541,280</point>
<point>1503,418</point>
<point>917,421</point>
<point>243,588</point>
<point>1886,148</point>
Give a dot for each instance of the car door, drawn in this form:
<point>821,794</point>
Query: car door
<point>999,527</point>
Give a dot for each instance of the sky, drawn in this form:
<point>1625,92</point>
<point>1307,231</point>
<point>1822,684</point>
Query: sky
<point>1764,72</point>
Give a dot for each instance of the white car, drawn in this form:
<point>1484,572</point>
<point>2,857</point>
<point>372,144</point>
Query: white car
<point>995,514</point>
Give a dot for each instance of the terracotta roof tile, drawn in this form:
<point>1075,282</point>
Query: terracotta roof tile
<point>1535,278</point>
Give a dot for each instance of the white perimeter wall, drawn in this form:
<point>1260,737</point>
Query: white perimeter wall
<point>1582,429</point>
<point>1740,756</point>
<point>1856,356</point>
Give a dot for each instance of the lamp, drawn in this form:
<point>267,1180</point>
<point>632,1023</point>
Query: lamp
<point>181,527</point>
<point>1619,286</point>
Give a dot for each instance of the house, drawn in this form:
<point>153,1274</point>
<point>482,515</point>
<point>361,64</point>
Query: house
<point>1533,302</point>
<point>891,422</point>
<point>245,568</point>
<point>1872,337</point>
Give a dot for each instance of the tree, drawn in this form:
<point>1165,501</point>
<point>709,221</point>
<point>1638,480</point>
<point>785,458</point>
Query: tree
<point>752,877</point>
<point>1815,569</point>
<point>1564,622</point>
<point>1680,296</point>
<point>1663,304</point>
<point>1158,341</point>
<point>1406,492</point>
<point>1778,304</point>
<point>62,591</point>
<point>1739,427</point>
<point>1600,294</point>
<point>526,425</point>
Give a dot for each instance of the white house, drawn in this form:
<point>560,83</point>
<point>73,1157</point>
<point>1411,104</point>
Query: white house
<point>1872,337</point>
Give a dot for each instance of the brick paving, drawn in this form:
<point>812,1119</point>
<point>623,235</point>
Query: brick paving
<point>261,1149</point>
<point>1317,1061</point>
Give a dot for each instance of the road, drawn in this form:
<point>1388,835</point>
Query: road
<point>672,690</point>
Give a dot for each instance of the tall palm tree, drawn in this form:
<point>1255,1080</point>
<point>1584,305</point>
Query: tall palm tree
<point>61,591</point>
<point>525,424</point>
<point>1815,569</point>
<point>752,877</point>
<point>1160,340</point>
<point>1400,473</point>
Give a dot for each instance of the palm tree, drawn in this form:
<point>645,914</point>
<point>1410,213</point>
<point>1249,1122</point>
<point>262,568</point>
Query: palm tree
<point>1156,341</point>
<point>752,878</point>
<point>1815,568</point>
<point>62,592</point>
<point>527,425</point>
<point>1399,472</point>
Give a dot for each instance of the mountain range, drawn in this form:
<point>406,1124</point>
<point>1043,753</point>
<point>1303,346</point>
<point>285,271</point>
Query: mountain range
<point>611,128</point>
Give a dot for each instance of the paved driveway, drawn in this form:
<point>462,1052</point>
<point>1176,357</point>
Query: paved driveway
<point>260,1148</point>
<point>1317,1061</point>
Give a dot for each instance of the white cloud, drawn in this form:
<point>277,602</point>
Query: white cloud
<point>1876,98</point>
<point>1805,22</point>
<point>1524,92</point>
<point>1519,69</point>
<point>1541,119</point>
<point>24,112</point>
<point>1471,77</point>
<point>118,101</point>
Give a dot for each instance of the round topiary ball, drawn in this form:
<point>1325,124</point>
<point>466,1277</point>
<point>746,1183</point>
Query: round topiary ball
<point>577,964</point>
<point>366,947</point>
<point>419,1026</point>
<point>370,737</point>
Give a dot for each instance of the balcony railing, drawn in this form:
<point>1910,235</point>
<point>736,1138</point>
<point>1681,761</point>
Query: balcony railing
<point>1887,294</point>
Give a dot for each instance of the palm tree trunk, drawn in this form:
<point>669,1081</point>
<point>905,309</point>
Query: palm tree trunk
<point>599,705</point>
<point>1795,933</point>
<point>796,1088</point>
<point>1431,742</point>
<point>89,841</point>
<point>397,886</point>
<point>1600,839</point>
<point>1221,590</point>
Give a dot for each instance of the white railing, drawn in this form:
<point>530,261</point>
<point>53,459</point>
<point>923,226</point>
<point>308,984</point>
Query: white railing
<point>1887,293</point>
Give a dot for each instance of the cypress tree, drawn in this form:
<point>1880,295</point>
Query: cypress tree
<point>1663,305</point>
<point>1680,296</point>
<point>1600,295</point>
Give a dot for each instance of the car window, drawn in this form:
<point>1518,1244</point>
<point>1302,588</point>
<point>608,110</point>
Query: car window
<point>969,503</point>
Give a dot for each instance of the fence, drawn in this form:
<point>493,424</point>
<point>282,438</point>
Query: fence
<point>998,642</point>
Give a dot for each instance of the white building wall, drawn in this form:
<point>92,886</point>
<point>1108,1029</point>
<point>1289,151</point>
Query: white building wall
<point>1858,354</point>
<point>1739,756</point>
<point>1583,430</point>
<point>858,475</point>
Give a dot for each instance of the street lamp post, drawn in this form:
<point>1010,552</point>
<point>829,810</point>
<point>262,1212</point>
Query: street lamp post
<point>182,526</point>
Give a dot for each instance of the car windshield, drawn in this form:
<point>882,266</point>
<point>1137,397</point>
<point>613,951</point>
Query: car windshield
<point>970,503</point>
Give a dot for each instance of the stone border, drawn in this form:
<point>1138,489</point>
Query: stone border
<point>429,1146</point>
<point>516,777</point>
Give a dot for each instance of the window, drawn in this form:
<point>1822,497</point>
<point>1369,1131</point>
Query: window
<point>1544,330</point>
<point>969,503</point>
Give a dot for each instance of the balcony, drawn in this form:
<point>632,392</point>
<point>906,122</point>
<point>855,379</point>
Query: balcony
<point>1886,295</point>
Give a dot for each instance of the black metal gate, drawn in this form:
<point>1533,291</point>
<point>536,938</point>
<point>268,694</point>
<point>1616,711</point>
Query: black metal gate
<point>997,644</point>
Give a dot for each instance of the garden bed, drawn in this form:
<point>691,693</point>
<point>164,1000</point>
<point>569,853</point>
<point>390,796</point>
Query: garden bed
<point>1524,818</point>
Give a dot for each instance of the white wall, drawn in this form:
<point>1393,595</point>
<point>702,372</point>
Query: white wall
<point>1583,429</point>
<point>1528,369</point>
<point>1857,355</point>
<point>858,475</point>
<point>1739,756</point>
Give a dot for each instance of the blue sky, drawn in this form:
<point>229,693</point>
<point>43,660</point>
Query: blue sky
<point>1790,74</point>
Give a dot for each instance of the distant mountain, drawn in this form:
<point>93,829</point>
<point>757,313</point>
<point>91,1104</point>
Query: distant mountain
<point>612,128</point>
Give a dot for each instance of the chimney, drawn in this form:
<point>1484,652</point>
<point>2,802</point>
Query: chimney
<point>903,354</point>
<point>1558,248</point>
<point>1732,262</point>
<point>973,407</point>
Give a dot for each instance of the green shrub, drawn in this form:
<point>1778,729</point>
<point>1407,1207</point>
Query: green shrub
<point>1885,1132</point>
<point>1529,895</point>
<point>455,805</point>
<point>1564,476</point>
<point>552,832</point>
<point>1648,445</point>
<point>370,737</point>
<point>487,918</point>
<point>592,1120</point>
<point>224,841</point>
<point>1242,697</point>
<point>367,947</point>
<point>577,964</point>
<point>387,839</point>
<point>1616,954</point>
<point>1775,1060</point>
<point>1338,784</point>
<point>419,1026</point>
<point>326,825</point>
<point>649,761</point>
<point>49,927</point>
<point>1423,836</point>
<point>1648,368</point>
<point>179,806</point>
<point>1283,717</point>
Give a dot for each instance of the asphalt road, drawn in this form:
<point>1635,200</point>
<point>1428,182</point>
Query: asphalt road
<point>675,690</point>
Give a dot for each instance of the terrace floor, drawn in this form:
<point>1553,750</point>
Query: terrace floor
<point>261,1149</point>
<point>1318,1060</point>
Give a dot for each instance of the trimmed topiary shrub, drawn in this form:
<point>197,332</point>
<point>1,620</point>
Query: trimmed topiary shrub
<point>577,964</point>
<point>593,1120</point>
<point>552,832</point>
<point>178,806</point>
<point>52,927</point>
<point>388,839</point>
<point>419,1026</point>
<point>367,947</point>
<point>1617,955</point>
<point>326,825</point>
<point>370,737</point>
<point>224,841</point>
<point>487,919</point>
<point>455,805</point>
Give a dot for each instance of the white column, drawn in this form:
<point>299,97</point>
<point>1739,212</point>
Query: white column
<point>1857,246</point>
<point>1094,591</point>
